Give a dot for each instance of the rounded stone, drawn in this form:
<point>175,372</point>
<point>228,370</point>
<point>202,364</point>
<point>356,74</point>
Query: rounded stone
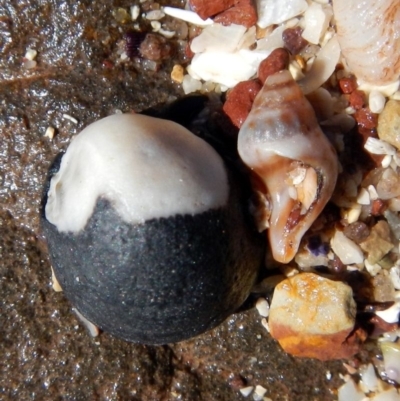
<point>148,279</point>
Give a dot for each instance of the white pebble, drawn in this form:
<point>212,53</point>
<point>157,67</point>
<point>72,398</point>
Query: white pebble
<point>219,38</point>
<point>372,192</point>
<point>50,132</point>
<point>376,101</point>
<point>379,147</point>
<point>123,56</point>
<point>70,118</point>
<point>272,12</point>
<point>363,197</point>
<point>386,161</point>
<point>155,15</point>
<point>166,34</point>
<point>246,391</point>
<point>190,84</point>
<point>394,205</point>
<point>369,378</point>
<point>156,25</point>
<point>390,315</point>
<point>187,15</point>
<point>350,110</point>
<point>259,393</point>
<point>262,306</point>
<point>226,69</point>
<point>353,214</point>
<point>92,328</point>
<point>386,90</point>
<point>346,249</point>
<point>350,392</point>
<point>30,54</point>
<point>316,20</point>
<point>135,11</point>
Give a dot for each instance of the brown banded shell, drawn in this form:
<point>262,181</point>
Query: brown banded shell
<point>283,144</point>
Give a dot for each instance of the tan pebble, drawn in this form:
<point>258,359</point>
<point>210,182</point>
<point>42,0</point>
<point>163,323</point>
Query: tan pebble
<point>383,288</point>
<point>177,73</point>
<point>262,32</point>
<point>389,123</point>
<point>300,61</point>
<point>378,243</point>
<point>312,316</point>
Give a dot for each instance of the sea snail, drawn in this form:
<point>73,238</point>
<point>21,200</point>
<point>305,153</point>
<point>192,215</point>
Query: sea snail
<point>295,163</point>
<point>147,230</point>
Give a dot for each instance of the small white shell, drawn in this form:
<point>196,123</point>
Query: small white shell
<point>280,133</point>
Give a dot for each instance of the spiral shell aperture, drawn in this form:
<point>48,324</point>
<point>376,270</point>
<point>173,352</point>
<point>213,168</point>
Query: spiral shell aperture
<point>281,141</point>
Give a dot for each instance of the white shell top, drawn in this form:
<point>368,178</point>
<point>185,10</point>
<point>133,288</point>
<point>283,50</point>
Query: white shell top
<point>146,167</point>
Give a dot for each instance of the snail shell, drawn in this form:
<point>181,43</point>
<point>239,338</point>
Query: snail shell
<point>369,36</point>
<point>283,144</point>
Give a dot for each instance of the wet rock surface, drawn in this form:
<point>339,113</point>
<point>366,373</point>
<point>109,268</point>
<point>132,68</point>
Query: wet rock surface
<point>46,354</point>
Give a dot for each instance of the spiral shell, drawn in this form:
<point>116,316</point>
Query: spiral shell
<point>369,36</point>
<point>283,144</point>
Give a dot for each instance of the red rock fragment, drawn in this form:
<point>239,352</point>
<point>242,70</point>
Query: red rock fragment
<point>278,60</point>
<point>243,13</point>
<point>366,119</point>
<point>206,8</point>
<point>357,99</point>
<point>378,206</point>
<point>293,40</point>
<point>240,100</point>
<point>108,64</point>
<point>348,84</point>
